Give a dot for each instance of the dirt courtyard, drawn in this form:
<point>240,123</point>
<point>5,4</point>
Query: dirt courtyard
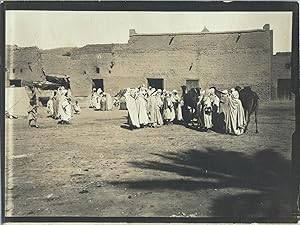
<point>97,167</point>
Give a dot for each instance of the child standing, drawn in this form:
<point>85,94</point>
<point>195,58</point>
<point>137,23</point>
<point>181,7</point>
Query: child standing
<point>76,108</point>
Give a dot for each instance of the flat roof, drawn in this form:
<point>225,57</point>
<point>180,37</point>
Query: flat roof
<point>196,33</point>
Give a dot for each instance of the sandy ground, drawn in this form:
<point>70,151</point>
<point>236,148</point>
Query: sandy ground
<point>97,167</point>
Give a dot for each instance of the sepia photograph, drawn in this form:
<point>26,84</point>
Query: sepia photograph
<point>148,114</point>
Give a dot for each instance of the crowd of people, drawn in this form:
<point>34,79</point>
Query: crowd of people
<point>99,100</point>
<point>223,113</point>
<point>60,107</point>
<point>154,108</point>
<point>148,107</point>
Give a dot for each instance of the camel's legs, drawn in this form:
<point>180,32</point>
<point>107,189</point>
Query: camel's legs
<point>247,116</point>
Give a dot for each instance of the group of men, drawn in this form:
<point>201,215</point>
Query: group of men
<point>151,107</point>
<point>224,113</point>
<point>99,100</point>
<point>60,106</point>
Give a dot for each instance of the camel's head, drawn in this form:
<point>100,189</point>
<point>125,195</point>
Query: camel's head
<point>238,88</point>
<point>198,89</point>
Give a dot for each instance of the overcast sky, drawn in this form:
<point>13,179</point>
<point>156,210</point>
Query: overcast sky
<point>49,29</point>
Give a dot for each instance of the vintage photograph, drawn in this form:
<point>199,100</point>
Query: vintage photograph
<point>148,114</point>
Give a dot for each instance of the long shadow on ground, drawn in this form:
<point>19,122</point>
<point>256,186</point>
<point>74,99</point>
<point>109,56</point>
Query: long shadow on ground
<point>262,180</point>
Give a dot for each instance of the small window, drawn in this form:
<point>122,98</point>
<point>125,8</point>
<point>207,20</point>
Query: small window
<point>14,70</point>
<point>287,65</point>
<point>98,83</point>
<point>156,83</point>
<point>21,70</point>
<point>192,84</point>
<point>16,83</point>
<point>112,64</point>
<point>84,72</point>
<point>97,70</point>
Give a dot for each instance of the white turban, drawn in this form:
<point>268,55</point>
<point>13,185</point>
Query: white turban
<point>64,92</point>
<point>99,91</point>
<point>225,92</point>
<point>235,94</point>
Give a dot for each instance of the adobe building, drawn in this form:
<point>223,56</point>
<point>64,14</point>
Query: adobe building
<point>281,76</point>
<point>166,61</point>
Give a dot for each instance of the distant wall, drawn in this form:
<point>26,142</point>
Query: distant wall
<point>215,59</point>
<point>281,69</point>
<point>23,63</point>
<point>223,60</point>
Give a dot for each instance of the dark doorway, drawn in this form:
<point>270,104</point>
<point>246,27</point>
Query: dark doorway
<point>192,84</point>
<point>98,83</point>
<point>284,89</point>
<point>16,83</point>
<point>156,83</point>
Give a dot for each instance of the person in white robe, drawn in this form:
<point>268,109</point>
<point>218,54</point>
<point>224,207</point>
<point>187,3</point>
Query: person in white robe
<point>59,95</point>
<point>200,111</point>
<point>103,101</point>
<point>160,100</point>
<point>173,114</point>
<point>169,112</point>
<point>207,111</point>
<point>177,105</point>
<point>149,90</point>
<point>55,105</point>
<point>97,101</point>
<point>224,111</point>
<point>133,118</point>
<point>109,102</point>
<point>164,93</point>
<point>155,117</point>
<point>159,103</point>
<point>237,118</point>
<point>50,107</point>
<point>159,92</point>
<point>91,98</point>
<point>66,109</point>
<point>69,94</point>
<point>141,104</point>
<point>214,100</point>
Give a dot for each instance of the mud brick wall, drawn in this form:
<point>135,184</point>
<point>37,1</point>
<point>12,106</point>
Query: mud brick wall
<point>281,69</point>
<point>223,60</point>
<point>23,63</point>
<point>83,68</point>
